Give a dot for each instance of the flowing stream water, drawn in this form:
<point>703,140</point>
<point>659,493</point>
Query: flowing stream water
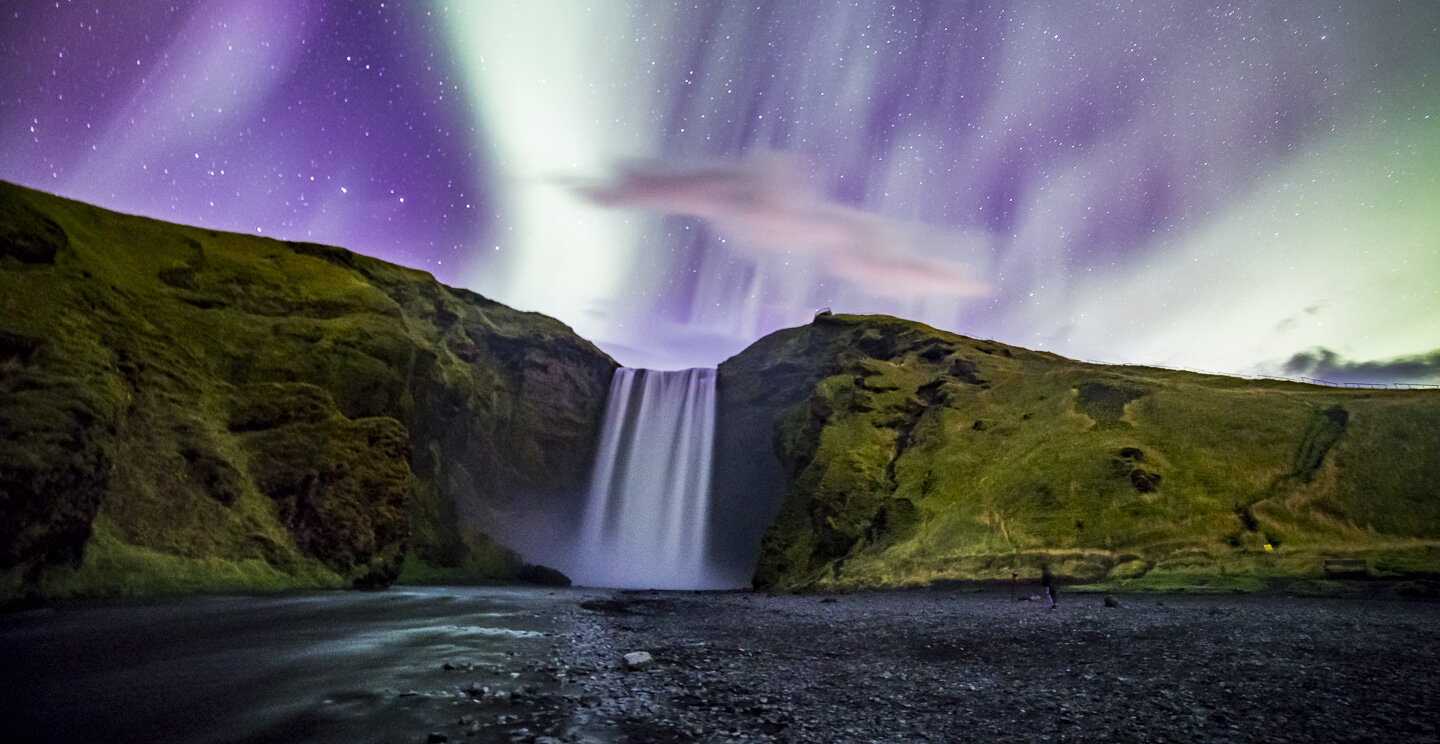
<point>361,667</point>
<point>648,509</point>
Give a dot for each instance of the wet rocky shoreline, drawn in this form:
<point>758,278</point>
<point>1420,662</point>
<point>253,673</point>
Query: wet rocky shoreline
<point>955,666</point>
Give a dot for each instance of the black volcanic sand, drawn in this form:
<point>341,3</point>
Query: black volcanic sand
<point>503,665</point>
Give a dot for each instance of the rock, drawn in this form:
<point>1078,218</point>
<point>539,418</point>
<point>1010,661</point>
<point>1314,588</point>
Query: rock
<point>30,237</point>
<point>636,660</point>
<point>531,573</point>
<point>1112,602</point>
<point>1145,481</point>
<point>341,486</point>
<point>435,737</point>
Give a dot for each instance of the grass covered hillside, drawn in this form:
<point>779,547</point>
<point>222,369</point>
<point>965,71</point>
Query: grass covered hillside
<point>183,409</point>
<point>908,456</point>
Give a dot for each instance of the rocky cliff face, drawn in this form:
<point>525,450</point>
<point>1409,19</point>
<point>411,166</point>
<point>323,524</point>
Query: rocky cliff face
<point>893,454</point>
<point>185,409</point>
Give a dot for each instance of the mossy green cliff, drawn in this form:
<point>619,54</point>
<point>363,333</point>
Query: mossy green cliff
<point>185,409</point>
<point>182,409</point>
<point>908,456</point>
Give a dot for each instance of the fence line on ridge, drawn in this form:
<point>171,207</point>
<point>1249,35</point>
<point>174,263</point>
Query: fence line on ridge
<point>1305,380</point>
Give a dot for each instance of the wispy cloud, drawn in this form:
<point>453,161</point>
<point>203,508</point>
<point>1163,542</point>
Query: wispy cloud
<point>766,206</point>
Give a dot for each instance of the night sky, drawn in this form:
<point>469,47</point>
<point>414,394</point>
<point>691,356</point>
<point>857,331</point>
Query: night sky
<point>1237,187</point>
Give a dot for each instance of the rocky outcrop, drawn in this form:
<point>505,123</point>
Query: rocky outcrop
<point>213,406</point>
<point>893,454</point>
<point>341,485</point>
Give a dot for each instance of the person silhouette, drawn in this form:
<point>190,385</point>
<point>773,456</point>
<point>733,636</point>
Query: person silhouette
<point>1047,580</point>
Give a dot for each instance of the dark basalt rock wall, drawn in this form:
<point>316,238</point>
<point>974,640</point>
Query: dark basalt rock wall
<point>232,410</point>
<point>773,375</point>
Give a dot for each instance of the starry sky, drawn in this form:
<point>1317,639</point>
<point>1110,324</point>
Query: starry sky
<point>1235,187</point>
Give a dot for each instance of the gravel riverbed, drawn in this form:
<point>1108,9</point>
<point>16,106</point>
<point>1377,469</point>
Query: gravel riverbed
<point>952,666</point>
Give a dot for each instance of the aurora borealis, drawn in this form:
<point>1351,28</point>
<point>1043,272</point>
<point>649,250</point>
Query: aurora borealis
<point>1237,187</point>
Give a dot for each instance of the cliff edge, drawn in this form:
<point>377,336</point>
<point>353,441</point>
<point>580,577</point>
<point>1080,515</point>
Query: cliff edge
<point>183,409</point>
<point>894,454</point>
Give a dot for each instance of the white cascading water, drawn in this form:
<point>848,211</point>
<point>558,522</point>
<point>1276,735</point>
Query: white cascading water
<point>646,518</point>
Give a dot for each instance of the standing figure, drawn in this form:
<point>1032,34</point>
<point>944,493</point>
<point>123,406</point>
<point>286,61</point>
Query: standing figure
<point>1047,580</point>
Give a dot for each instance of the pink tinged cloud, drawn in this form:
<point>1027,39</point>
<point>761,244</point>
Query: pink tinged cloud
<point>766,206</point>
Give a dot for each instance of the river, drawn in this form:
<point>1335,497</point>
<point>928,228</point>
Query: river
<point>341,666</point>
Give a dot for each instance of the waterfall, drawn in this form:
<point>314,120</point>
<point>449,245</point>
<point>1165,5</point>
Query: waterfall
<point>647,513</point>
